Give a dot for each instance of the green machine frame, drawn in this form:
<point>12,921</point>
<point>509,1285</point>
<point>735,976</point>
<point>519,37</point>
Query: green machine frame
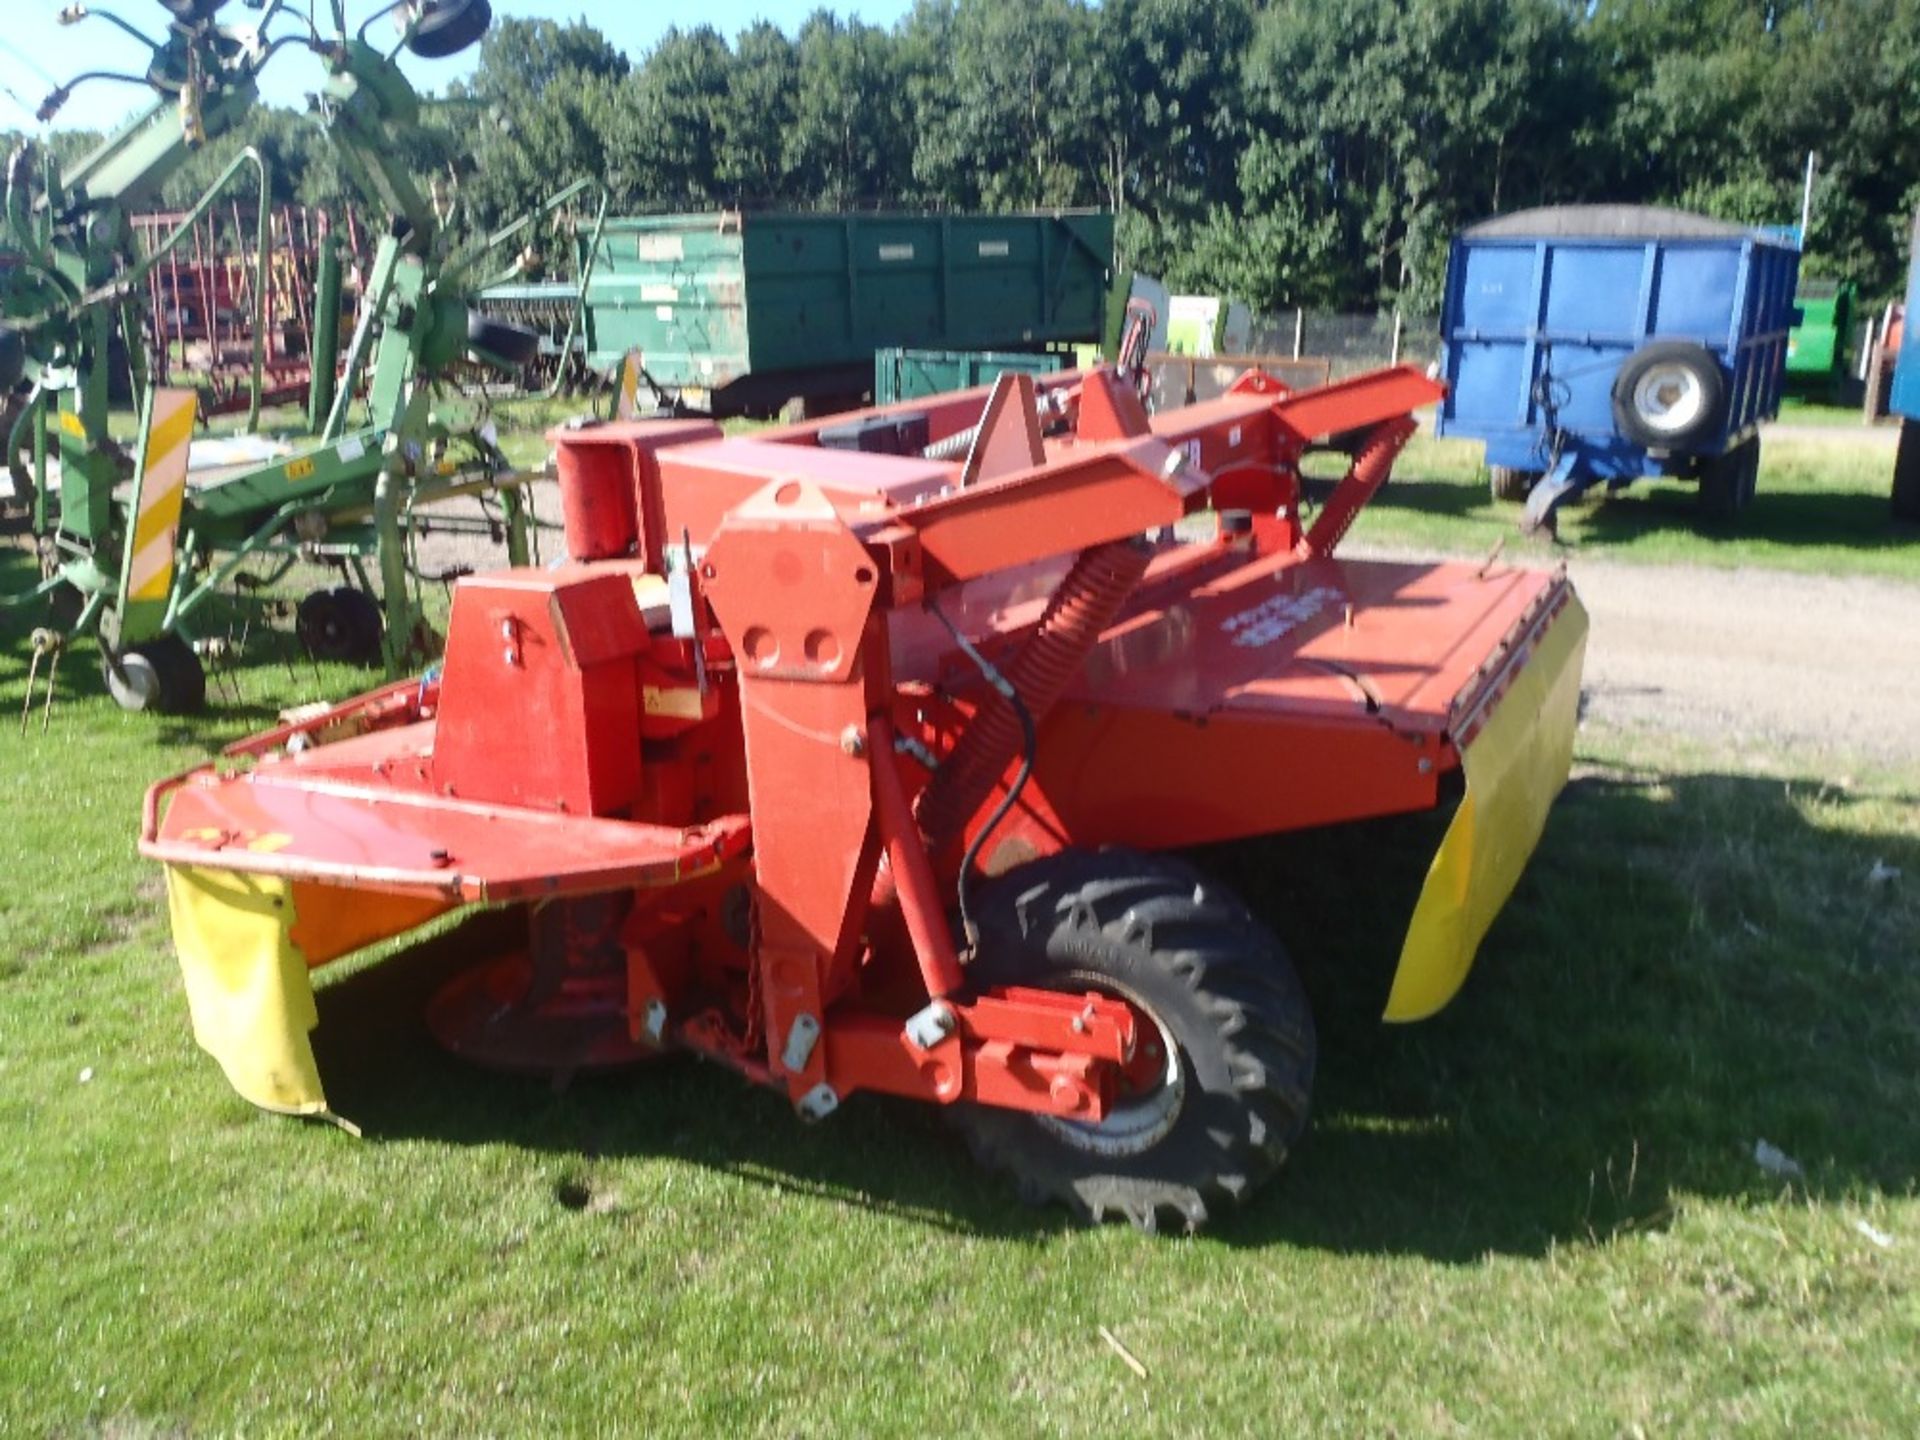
<point>345,499</point>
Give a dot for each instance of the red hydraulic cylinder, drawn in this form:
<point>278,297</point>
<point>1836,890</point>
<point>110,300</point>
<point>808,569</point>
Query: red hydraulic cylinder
<point>919,896</point>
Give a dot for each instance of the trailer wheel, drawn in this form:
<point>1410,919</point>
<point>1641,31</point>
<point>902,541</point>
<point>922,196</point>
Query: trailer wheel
<point>1225,1057</point>
<point>1670,394</point>
<point>1906,473</point>
<point>162,675</point>
<point>341,625</point>
<point>1507,483</point>
<point>1727,480</point>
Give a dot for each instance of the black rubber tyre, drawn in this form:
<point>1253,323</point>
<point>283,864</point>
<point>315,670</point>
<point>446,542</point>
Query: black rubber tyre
<point>1727,480</point>
<point>505,347</point>
<point>65,606</point>
<point>1507,483</point>
<point>13,357</point>
<point>341,625</point>
<point>449,26</point>
<point>1219,999</point>
<point>163,676</point>
<point>1669,395</point>
<point>1906,473</point>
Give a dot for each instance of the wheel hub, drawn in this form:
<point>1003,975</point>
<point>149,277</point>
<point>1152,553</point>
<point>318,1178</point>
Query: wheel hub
<point>1152,1092</point>
<point>1669,398</point>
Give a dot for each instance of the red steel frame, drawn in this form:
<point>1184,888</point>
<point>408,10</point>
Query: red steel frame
<point>201,294</point>
<point>810,734</point>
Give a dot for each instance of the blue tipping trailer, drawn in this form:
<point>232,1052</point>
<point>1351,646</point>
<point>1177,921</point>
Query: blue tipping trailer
<point>1589,344</point>
<point>1904,399</point>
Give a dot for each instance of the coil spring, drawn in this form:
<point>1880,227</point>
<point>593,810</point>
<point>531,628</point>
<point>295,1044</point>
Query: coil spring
<point>1085,603</point>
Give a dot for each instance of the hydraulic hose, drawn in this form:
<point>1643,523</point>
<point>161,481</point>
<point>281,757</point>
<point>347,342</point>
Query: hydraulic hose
<point>1085,603</point>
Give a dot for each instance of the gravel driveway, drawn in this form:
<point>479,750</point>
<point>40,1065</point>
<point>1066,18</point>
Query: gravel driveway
<point>1758,658</point>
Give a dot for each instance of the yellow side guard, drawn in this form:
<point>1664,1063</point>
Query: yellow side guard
<point>245,951</point>
<point>1514,768</point>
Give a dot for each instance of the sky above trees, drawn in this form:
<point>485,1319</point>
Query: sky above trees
<point>1313,152</point>
<point>33,44</point>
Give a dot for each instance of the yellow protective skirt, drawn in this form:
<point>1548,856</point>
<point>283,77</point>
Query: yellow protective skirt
<point>1514,768</point>
<point>245,951</point>
<point>247,984</point>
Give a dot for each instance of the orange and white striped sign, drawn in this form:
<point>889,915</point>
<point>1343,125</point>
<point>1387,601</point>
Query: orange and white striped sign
<point>629,403</point>
<point>163,489</point>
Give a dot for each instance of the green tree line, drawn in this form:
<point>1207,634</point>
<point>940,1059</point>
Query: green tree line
<point>1312,152</point>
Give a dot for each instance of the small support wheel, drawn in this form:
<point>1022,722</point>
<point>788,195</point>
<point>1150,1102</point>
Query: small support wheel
<point>446,27</point>
<point>163,676</point>
<point>1506,483</point>
<point>1219,1089</point>
<point>341,625</point>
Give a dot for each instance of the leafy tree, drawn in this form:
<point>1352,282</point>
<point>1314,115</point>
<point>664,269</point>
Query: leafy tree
<point>848,143</point>
<point>1316,152</point>
<point>756,116</point>
<point>1011,126</point>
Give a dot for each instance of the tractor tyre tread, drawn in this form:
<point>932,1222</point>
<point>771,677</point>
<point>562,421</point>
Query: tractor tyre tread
<point>1217,979</point>
<point>342,625</point>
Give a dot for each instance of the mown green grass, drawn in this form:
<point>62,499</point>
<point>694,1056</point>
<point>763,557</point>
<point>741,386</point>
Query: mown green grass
<point>1822,505</point>
<point>1537,1214</point>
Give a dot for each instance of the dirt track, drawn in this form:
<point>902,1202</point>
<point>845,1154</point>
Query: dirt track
<point>1762,659</point>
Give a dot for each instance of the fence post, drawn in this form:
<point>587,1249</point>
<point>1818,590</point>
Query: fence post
<point>1299,329</point>
<point>1396,336</point>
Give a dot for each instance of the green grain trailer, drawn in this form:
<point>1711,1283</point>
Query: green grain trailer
<point>1816,347</point>
<point>740,312</point>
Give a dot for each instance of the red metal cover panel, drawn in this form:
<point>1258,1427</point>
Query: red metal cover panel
<point>372,837</point>
<point>596,615</point>
<point>1328,639</point>
<point>540,700</point>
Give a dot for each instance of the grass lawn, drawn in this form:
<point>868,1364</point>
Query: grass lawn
<point>1798,410</point>
<point>1821,506</point>
<point>1537,1214</point>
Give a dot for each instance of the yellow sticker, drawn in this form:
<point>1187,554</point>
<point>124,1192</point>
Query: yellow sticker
<point>678,702</point>
<point>73,425</point>
<point>299,469</point>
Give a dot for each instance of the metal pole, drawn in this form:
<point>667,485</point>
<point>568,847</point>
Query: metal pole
<point>1299,329</point>
<point>323,344</point>
<point>1806,199</point>
<point>1396,337</point>
<point>262,257</point>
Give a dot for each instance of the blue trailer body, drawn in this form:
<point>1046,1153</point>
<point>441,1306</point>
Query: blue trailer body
<point>1904,398</point>
<point>1543,309</point>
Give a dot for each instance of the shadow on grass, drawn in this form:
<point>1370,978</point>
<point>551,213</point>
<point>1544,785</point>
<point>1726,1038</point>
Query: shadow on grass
<point>270,669</point>
<point>1659,512</point>
<point>1690,965</point>
<point>1791,518</point>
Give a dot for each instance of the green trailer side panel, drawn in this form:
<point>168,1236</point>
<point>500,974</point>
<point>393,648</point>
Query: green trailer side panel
<point>708,299</point>
<point>674,288</point>
<point>1816,346</point>
<point>900,374</point>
